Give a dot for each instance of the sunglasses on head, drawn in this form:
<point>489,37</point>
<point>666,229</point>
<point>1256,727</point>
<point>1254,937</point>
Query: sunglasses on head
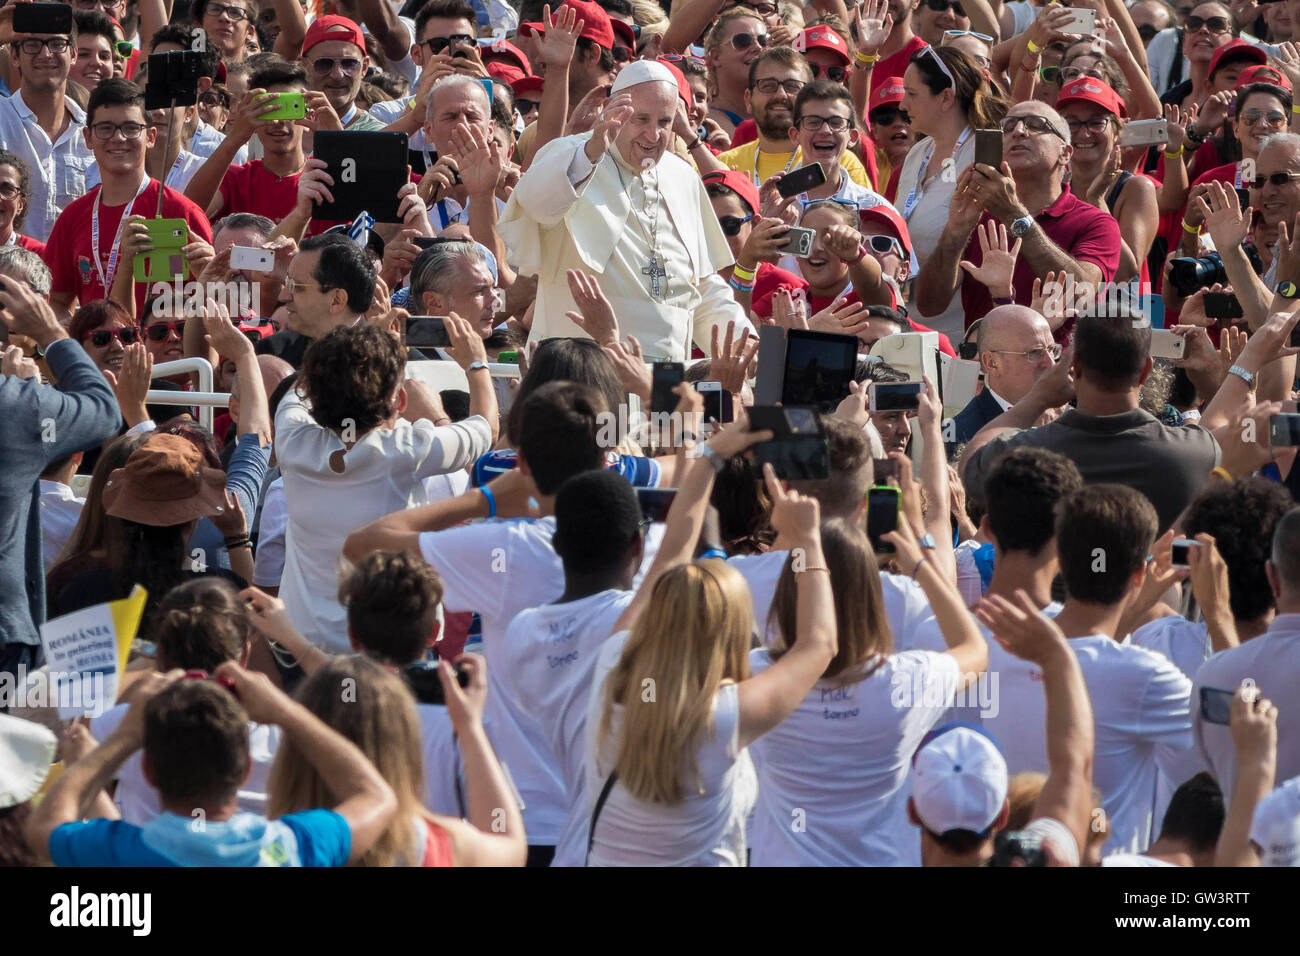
<point>835,74</point>
<point>943,67</point>
<point>160,330</point>
<point>127,336</point>
<point>938,6</point>
<point>731,224</point>
<point>968,33</point>
<point>437,44</point>
<point>1213,24</point>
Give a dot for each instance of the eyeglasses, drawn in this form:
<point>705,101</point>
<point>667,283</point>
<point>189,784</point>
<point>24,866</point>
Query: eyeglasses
<point>217,9</point>
<point>294,286</point>
<point>1095,125</point>
<point>105,131</point>
<point>968,33</point>
<point>835,74</point>
<point>127,336</point>
<point>324,66</point>
<point>438,44</point>
<point>160,330</point>
<point>32,46</point>
<point>1050,74</point>
<point>1212,24</point>
<point>9,191</point>
<point>1034,124</point>
<point>768,86</point>
<point>762,9</point>
<point>124,48</point>
<point>1147,32</point>
<point>943,67</point>
<point>743,41</point>
<point>1267,117</point>
<point>1034,355</point>
<point>884,245</point>
<point>1074,72</point>
<point>527,106</point>
<point>812,123</point>
<point>731,224</point>
<point>888,116</point>
<point>938,6</point>
<point>1277,179</point>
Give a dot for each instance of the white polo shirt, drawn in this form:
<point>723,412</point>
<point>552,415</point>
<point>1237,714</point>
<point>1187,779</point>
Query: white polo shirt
<point>58,169</point>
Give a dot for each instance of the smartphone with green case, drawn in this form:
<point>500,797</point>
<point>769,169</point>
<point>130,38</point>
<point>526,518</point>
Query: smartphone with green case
<point>165,261</point>
<point>289,106</point>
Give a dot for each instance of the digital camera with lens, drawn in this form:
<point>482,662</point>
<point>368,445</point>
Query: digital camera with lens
<point>1189,273</point>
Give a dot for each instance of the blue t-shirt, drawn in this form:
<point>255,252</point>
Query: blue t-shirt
<point>640,472</point>
<point>310,838</point>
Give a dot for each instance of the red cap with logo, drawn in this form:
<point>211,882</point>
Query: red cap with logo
<point>738,183</point>
<point>888,93</point>
<point>1236,50</point>
<point>824,38</point>
<point>1087,89</point>
<point>333,27</point>
<point>1263,73</point>
<point>505,51</point>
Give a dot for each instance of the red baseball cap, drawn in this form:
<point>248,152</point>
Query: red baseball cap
<point>527,84</point>
<point>507,50</point>
<point>683,85</point>
<point>888,93</point>
<point>333,27</point>
<point>824,38</point>
<point>623,31</point>
<point>505,72</point>
<point>890,216</point>
<point>528,29</point>
<point>1262,73</point>
<point>738,183</point>
<point>1087,89</point>
<point>1237,50</point>
<point>596,25</point>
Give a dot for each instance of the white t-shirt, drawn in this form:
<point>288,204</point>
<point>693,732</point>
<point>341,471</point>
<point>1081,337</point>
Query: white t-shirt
<point>138,801</point>
<point>702,829</point>
<point>60,512</point>
<point>444,790</point>
<point>1272,661</point>
<point>833,777</point>
<point>1186,643</point>
<point>383,472</point>
<point>549,653</point>
<point>1276,828</point>
<point>1133,859</point>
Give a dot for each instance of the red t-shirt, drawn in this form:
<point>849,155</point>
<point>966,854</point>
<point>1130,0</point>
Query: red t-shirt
<point>746,132</point>
<point>251,187</point>
<point>30,244</point>
<point>769,279</point>
<point>1083,231</point>
<point>68,252</point>
<point>895,64</point>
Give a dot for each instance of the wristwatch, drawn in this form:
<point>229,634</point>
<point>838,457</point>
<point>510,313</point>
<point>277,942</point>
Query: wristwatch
<point>1021,226</point>
<point>1287,289</point>
<point>475,366</point>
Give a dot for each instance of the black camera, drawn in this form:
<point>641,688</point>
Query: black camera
<point>1011,846</point>
<point>1187,274</point>
<point>422,678</point>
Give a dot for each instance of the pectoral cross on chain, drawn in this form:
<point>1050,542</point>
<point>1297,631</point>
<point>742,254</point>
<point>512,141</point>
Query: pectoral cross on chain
<point>655,271</point>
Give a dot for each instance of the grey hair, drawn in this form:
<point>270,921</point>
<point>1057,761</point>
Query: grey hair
<point>26,265</point>
<point>1052,116</point>
<point>458,80</point>
<point>246,220</point>
<point>435,268</point>
<point>1291,140</point>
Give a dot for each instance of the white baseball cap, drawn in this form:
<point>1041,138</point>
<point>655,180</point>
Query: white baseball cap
<point>1276,827</point>
<point>26,753</point>
<point>959,779</point>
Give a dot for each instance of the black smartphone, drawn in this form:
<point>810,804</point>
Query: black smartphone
<point>1284,430</point>
<point>801,180</point>
<point>1180,550</point>
<point>717,402</point>
<point>768,418</point>
<point>885,470</point>
<point>1222,305</point>
<point>428,242</point>
<point>427,332</point>
<point>795,457</point>
<point>173,79</point>
<point>895,396</point>
<point>655,502</point>
<point>882,517</point>
<point>368,169</point>
<point>1243,198</point>
<point>818,368</point>
<point>422,677</point>
<point>665,377</point>
<point>988,147</point>
<point>43,18</point>
<point>1216,705</point>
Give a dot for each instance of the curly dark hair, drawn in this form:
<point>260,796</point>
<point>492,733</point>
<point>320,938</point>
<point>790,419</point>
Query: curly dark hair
<point>1242,517</point>
<point>350,375</point>
<point>392,600</point>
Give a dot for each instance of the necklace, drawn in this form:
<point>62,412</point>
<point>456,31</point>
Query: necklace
<point>654,268</point>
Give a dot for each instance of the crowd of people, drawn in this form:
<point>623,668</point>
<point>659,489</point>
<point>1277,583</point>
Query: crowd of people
<point>471,537</point>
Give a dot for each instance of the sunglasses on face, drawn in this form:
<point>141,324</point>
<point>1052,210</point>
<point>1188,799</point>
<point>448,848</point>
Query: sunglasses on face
<point>1050,74</point>
<point>1277,179</point>
<point>743,41</point>
<point>124,48</point>
<point>324,66</point>
<point>1034,124</point>
<point>938,6</point>
<point>731,224</point>
<point>622,54</point>
<point>438,44</point>
<point>888,116</point>
<point>527,106</point>
<point>1212,24</point>
<point>835,74</point>
<point>884,245</point>
<point>1147,32</point>
<point>127,336</point>
<point>160,330</point>
<point>1267,117</point>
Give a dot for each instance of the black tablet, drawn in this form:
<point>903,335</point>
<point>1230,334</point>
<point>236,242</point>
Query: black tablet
<point>368,169</point>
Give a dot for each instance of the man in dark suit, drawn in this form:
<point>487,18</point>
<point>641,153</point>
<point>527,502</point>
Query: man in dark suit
<point>1015,347</point>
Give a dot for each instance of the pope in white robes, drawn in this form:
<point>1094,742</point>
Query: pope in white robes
<point>617,203</point>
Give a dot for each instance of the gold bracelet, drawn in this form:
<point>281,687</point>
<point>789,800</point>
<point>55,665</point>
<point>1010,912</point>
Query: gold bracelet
<point>1034,48</point>
<point>1221,472</point>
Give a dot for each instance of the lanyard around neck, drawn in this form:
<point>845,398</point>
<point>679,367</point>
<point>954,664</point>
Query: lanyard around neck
<point>107,279</point>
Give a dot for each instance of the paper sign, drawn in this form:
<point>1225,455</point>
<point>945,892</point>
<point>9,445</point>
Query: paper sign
<point>86,651</point>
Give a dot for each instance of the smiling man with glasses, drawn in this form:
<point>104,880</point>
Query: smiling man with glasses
<point>1058,231</point>
<point>334,53</point>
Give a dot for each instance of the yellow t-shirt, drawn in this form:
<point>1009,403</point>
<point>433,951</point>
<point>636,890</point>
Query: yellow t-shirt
<point>773,164</point>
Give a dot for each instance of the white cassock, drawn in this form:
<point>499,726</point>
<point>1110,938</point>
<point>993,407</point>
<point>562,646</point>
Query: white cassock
<point>604,225</point>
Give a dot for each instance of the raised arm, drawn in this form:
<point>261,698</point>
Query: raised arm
<point>940,278</point>
<point>292,21</point>
<point>1253,723</point>
<point>689,19</point>
<point>555,51</point>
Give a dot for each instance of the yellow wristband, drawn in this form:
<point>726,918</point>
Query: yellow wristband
<point>1169,155</point>
<point>1295,109</point>
<point>1221,472</point>
<point>1034,48</point>
<point>744,275</point>
<point>1191,230</point>
<point>865,58</point>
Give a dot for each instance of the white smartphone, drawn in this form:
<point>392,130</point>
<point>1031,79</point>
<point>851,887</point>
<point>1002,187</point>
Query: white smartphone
<point>1166,344</point>
<point>1083,22</point>
<point>717,404</point>
<point>251,260</point>
<point>1152,132</point>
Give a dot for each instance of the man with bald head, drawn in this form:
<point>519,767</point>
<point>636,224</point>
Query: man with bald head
<point>618,204</point>
<point>1016,347</point>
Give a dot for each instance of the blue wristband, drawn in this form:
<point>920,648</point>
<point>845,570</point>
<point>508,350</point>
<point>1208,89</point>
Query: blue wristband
<point>714,553</point>
<point>491,500</point>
